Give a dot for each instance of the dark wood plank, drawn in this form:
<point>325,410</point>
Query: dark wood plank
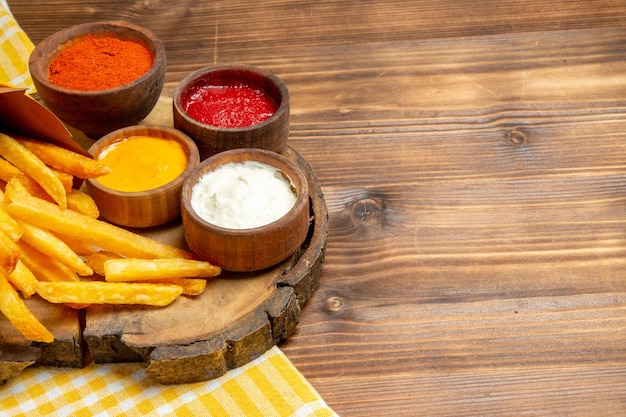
<point>477,214</point>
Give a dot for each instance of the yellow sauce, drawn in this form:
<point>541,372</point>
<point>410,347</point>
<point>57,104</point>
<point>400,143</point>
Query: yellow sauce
<point>141,163</point>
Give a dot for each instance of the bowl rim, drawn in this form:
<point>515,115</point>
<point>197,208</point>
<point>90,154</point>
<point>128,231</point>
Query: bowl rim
<point>302,196</point>
<point>200,73</point>
<point>193,160</point>
<point>58,39</point>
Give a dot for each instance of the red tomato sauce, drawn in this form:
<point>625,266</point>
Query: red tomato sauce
<point>230,106</point>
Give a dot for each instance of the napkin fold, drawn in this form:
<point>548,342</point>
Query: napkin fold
<point>268,386</point>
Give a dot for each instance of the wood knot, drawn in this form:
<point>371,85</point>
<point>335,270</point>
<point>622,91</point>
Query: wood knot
<point>517,138</point>
<point>363,214</point>
<point>334,304</point>
<point>368,210</point>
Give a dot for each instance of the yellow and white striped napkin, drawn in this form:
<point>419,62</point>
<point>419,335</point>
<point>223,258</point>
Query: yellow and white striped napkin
<point>16,48</point>
<point>267,386</point>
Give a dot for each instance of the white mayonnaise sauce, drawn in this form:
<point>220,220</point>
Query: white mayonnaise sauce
<point>242,195</point>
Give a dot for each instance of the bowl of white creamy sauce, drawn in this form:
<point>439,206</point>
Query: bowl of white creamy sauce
<point>243,195</point>
<point>245,209</point>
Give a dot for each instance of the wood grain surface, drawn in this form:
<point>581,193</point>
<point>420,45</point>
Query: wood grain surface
<point>472,159</point>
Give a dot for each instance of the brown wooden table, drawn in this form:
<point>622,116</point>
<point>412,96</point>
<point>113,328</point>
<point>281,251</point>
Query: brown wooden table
<point>473,160</point>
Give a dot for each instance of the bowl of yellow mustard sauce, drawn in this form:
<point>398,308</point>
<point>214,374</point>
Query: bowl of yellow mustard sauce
<point>148,167</point>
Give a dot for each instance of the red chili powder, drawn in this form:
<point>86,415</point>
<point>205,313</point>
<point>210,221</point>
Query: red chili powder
<point>99,63</point>
<point>231,106</point>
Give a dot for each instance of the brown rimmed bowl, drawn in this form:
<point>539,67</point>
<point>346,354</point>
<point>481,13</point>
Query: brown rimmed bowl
<point>98,112</point>
<point>270,134</point>
<point>252,249</point>
<point>142,208</point>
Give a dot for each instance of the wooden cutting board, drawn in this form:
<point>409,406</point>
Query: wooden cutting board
<point>237,318</point>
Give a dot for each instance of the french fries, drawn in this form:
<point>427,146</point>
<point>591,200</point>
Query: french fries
<point>97,259</point>
<point>23,279</point>
<point>12,306</point>
<point>53,244</point>
<point>98,292</point>
<point>82,203</point>
<point>127,269</point>
<point>44,267</point>
<point>8,253</point>
<point>66,179</point>
<point>50,245</point>
<point>12,151</point>
<point>190,286</point>
<point>9,171</point>
<point>64,160</point>
<point>9,226</point>
<point>79,246</point>
<point>22,206</point>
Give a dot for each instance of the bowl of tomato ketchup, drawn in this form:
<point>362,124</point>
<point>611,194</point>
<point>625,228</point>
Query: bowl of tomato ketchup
<point>231,107</point>
<point>149,164</point>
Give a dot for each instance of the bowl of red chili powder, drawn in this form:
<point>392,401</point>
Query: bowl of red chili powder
<point>101,76</point>
<point>231,107</point>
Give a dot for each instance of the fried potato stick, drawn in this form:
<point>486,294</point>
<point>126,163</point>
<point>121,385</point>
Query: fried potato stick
<point>22,206</point>
<point>99,292</point>
<point>8,170</point>
<point>8,253</point>
<point>66,179</point>
<point>32,187</point>
<point>96,260</point>
<point>18,313</point>
<point>128,269</point>
<point>53,247</point>
<point>65,160</point>
<point>79,246</point>
<point>8,224</point>
<point>27,162</point>
<point>190,286</point>
<point>44,267</point>
<point>82,203</point>
<point>23,279</point>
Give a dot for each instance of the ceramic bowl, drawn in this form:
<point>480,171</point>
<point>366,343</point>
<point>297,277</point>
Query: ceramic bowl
<point>142,208</point>
<point>247,249</point>
<point>270,134</point>
<point>98,112</point>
